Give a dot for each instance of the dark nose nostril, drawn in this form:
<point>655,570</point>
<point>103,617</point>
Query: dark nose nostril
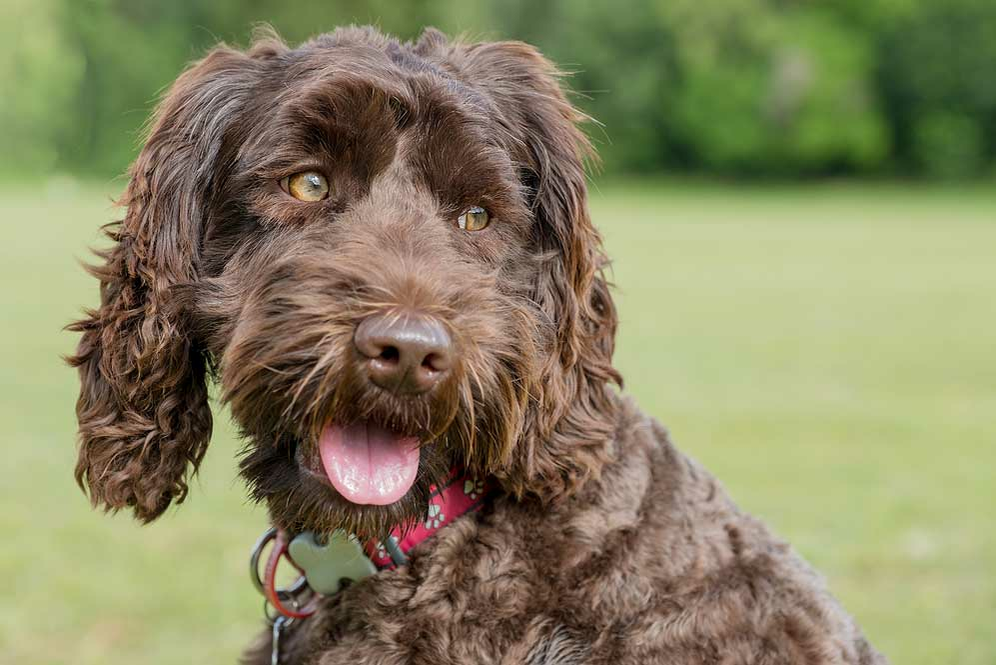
<point>404,354</point>
<point>433,362</point>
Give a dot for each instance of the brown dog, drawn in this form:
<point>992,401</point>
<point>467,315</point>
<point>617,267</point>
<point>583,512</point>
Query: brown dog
<point>383,254</point>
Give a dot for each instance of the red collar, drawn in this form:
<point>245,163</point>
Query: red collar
<point>460,494</point>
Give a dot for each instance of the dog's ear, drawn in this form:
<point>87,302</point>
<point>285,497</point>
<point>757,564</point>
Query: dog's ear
<point>567,435</point>
<point>143,413</point>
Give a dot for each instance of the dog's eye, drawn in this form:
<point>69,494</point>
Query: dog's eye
<point>474,219</point>
<point>307,186</point>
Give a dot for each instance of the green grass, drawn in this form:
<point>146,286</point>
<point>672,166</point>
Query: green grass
<point>829,352</point>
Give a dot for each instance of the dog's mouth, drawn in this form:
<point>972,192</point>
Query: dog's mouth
<point>368,464</point>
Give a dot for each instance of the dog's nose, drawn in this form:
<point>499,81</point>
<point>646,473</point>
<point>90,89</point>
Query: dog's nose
<point>404,353</point>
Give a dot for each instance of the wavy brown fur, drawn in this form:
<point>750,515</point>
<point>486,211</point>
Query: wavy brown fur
<point>651,563</point>
<point>606,545</point>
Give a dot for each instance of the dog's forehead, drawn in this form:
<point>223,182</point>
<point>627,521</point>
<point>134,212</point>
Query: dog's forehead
<point>344,80</point>
<point>366,96</point>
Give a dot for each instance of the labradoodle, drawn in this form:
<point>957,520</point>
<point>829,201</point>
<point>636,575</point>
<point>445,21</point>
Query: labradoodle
<point>382,253</point>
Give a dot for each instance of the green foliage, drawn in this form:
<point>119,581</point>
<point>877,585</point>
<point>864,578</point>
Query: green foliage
<point>739,87</point>
<point>938,73</point>
<point>39,74</point>
<point>948,144</point>
<point>783,92</point>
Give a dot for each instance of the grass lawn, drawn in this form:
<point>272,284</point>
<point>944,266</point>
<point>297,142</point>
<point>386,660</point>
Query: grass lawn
<point>828,351</point>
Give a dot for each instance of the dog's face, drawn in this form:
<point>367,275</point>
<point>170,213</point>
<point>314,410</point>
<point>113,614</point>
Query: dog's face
<point>382,252</point>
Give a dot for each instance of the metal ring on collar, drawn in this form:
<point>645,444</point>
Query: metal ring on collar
<point>287,593</point>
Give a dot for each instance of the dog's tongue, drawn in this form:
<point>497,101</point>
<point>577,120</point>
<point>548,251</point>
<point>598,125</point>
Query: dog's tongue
<point>368,464</point>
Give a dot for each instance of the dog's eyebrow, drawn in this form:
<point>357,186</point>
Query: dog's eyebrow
<point>412,62</point>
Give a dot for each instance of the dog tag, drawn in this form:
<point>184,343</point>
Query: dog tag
<point>324,565</point>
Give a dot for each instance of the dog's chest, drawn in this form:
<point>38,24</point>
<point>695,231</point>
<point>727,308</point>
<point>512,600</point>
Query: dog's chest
<point>516,583</point>
<point>656,564</point>
<point>483,594</point>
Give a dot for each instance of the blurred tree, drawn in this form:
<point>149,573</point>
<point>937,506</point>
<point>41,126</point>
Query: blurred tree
<point>39,76</point>
<point>777,92</point>
<point>937,73</point>
<point>760,87</point>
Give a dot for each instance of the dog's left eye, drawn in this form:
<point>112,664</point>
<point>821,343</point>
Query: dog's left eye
<point>474,219</point>
<point>308,186</point>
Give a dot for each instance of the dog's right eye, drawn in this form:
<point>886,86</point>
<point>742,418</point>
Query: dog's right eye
<point>474,219</point>
<point>308,186</point>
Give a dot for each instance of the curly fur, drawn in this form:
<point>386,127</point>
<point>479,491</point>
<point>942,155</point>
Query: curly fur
<point>650,563</point>
<point>606,545</point>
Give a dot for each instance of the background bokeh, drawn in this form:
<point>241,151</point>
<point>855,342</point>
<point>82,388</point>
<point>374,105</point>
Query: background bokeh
<point>732,87</point>
<point>799,199</point>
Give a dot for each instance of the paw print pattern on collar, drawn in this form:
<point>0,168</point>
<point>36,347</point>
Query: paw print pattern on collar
<point>473,487</point>
<point>435,517</point>
<point>460,494</point>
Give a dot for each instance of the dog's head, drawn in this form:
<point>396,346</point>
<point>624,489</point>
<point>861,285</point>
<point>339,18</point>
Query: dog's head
<point>383,253</point>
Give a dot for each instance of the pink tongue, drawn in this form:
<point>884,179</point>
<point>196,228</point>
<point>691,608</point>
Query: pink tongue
<point>368,464</point>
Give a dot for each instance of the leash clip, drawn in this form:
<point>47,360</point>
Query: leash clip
<point>279,624</point>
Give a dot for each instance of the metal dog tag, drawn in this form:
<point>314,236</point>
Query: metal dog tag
<point>325,565</point>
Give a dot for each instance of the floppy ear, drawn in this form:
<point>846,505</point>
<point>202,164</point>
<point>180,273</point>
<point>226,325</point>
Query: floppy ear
<point>143,412</point>
<point>570,427</point>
